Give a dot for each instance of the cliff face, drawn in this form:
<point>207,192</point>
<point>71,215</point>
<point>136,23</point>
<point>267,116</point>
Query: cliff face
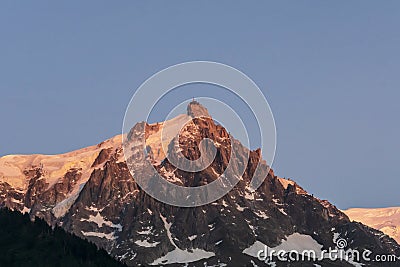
<point>91,193</point>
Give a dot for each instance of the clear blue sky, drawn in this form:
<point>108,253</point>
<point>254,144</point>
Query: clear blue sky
<point>330,70</point>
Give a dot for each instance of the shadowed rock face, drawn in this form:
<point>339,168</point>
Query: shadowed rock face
<point>103,204</point>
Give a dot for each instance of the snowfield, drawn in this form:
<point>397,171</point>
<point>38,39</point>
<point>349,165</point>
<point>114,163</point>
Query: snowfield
<point>386,220</point>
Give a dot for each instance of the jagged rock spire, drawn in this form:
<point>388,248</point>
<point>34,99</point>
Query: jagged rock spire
<point>195,109</point>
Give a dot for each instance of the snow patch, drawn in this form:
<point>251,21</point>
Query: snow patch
<point>145,243</point>
<point>100,221</point>
<point>296,241</point>
<point>261,214</point>
<point>178,255</point>
<point>240,208</point>
<point>25,210</point>
<point>249,195</point>
<point>109,236</point>
<point>183,256</point>
<point>191,238</point>
<point>282,211</point>
<point>146,231</point>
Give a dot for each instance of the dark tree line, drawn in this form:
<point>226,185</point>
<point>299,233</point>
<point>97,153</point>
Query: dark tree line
<point>27,243</point>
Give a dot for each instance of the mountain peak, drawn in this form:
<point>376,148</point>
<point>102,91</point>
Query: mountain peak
<point>93,194</point>
<point>195,109</point>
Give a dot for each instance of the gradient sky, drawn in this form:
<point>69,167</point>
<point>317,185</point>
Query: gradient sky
<point>329,69</point>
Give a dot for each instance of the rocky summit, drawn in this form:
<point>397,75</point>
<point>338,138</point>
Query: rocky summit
<point>92,194</point>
